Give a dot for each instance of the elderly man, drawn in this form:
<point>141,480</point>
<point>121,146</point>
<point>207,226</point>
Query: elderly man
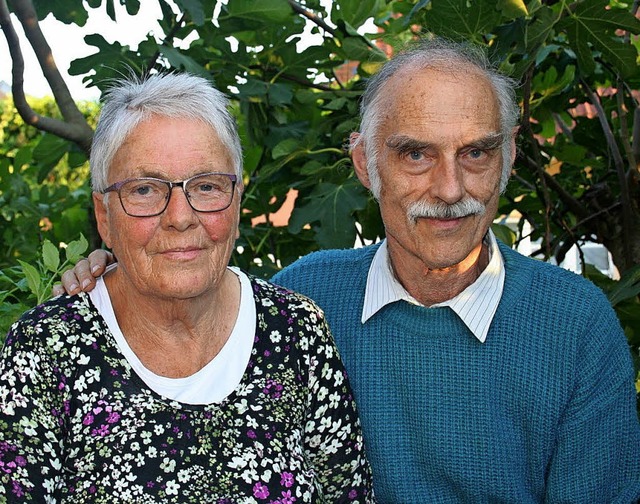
<point>480,375</point>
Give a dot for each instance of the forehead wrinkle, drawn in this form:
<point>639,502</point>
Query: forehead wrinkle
<point>160,172</point>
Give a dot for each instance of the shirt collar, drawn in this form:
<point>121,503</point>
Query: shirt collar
<point>476,305</point>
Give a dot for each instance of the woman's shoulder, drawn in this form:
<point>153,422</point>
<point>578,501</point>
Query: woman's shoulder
<point>60,317</point>
<point>63,307</point>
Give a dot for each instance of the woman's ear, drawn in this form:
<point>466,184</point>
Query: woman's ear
<point>102,217</point>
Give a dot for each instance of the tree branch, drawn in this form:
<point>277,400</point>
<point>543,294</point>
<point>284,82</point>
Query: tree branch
<point>526,126</point>
<point>314,18</point>
<point>75,127</point>
<point>624,127</point>
<point>293,78</point>
<point>168,39</point>
<point>618,162</point>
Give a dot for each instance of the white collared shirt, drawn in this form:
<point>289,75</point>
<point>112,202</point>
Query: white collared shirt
<point>476,305</point>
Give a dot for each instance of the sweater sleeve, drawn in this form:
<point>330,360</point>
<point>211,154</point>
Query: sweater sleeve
<point>597,455</point>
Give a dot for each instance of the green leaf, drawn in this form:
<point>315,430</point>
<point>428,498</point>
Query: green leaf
<point>180,60</point>
<point>579,41</point>
<point>512,8</point>
<point>336,104</point>
<point>540,28</point>
<point>285,148</point>
<point>133,6</point>
<point>547,84</point>
<point>628,287</point>
<point>265,10</point>
<point>50,256</point>
<point>32,276</point>
<point>195,10</point>
<point>76,249</point>
<point>504,233</point>
<point>357,49</point>
<point>594,23</point>
<point>332,206</point>
<point>461,19</point>
<point>49,151</point>
<point>279,94</point>
<point>354,13</point>
<point>409,17</point>
<point>23,157</point>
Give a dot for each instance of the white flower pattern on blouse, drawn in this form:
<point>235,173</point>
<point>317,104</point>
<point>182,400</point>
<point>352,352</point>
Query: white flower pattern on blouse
<point>78,425</point>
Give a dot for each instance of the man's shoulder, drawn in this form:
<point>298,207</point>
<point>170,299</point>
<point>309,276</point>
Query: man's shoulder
<point>549,284</point>
<point>320,269</point>
<point>333,259</point>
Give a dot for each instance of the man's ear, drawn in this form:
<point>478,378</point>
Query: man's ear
<point>514,151</point>
<point>102,218</point>
<point>359,159</point>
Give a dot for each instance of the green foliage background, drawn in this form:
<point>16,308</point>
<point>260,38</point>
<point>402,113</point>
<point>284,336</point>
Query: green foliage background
<point>576,178</point>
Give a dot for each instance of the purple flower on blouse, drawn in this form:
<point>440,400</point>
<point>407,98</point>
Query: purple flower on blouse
<point>286,480</point>
<point>287,498</point>
<point>260,491</point>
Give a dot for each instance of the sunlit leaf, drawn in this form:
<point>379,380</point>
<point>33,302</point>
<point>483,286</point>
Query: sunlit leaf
<point>50,256</point>
<point>32,276</point>
<point>76,249</point>
<point>512,8</point>
<point>266,10</point>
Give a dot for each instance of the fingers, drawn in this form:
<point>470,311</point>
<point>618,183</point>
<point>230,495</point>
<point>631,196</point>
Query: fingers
<point>98,261</point>
<point>78,278</point>
<point>82,277</point>
<point>57,290</point>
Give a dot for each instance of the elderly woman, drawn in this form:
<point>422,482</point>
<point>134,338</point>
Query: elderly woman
<point>178,379</point>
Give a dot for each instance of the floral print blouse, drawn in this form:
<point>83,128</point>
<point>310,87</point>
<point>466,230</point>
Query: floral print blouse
<point>78,425</point>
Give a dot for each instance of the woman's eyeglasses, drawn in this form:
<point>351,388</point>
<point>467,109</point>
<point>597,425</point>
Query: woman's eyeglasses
<point>148,196</point>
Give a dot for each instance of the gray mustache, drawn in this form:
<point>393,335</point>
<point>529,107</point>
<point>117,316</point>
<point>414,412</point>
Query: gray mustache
<point>440,210</point>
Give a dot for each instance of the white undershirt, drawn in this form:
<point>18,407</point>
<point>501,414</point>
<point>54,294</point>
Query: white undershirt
<point>214,382</point>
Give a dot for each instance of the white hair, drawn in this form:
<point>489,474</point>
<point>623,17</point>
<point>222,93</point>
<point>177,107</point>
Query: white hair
<point>132,100</point>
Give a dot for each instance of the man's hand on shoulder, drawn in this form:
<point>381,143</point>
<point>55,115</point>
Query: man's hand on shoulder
<point>82,277</point>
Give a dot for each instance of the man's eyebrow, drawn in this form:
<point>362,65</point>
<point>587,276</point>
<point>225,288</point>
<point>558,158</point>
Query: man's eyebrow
<point>489,142</point>
<point>403,143</point>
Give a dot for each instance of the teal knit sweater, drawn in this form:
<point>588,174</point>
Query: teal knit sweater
<point>543,411</point>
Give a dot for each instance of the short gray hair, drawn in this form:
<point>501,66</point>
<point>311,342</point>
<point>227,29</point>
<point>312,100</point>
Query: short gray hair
<point>132,100</point>
<point>442,54</point>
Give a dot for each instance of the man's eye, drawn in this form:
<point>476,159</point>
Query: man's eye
<point>476,153</point>
<point>415,155</point>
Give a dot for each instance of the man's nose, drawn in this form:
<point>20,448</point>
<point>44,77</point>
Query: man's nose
<point>447,180</point>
